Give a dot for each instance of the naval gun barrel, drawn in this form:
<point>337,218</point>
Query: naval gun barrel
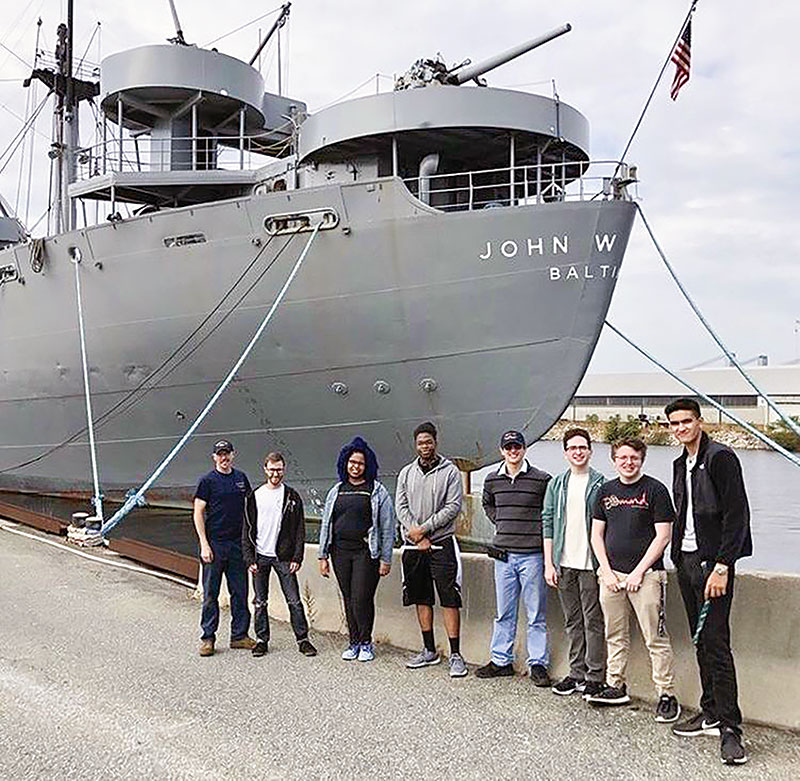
<point>473,71</point>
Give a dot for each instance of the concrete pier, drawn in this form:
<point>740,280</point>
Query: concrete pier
<point>100,678</point>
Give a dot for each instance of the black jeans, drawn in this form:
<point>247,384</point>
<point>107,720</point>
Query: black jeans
<point>357,574</point>
<point>717,673</point>
<point>291,592</point>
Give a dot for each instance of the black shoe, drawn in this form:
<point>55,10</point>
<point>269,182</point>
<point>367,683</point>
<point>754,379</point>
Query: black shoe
<point>697,725</point>
<point>305,648</point>
<point>259,649</point>
<point>610,695</point>
<point>539,675</point>
<point>731,748</point>
<point>568,685</point>
<point>668,709</point>
<point>493,670</point>
<point>590,688</point>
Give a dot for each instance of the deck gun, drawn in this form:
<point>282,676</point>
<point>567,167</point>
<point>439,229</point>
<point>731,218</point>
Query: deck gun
<point>429,71</point>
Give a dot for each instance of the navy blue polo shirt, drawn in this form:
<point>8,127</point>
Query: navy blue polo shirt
<point>224,497</point>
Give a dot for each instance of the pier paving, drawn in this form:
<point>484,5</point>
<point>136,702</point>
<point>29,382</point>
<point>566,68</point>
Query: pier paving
<point>100,678</point>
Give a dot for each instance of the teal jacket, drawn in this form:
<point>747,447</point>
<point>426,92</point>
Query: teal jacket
<point>555,509</point>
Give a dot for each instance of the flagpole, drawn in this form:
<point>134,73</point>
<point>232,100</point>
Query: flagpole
<point>655,86</point>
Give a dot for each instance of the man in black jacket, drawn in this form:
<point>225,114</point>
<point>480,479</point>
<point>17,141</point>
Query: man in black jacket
<point>711,533</point>
<point>273,537</point>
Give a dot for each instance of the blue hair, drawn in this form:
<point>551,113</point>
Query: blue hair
<point>358,445</point>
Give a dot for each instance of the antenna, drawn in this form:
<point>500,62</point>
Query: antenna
<point>179,39</point>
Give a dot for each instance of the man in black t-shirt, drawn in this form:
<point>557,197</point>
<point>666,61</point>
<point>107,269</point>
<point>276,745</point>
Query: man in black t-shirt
<point>632,525</point>
<point>218,515</point>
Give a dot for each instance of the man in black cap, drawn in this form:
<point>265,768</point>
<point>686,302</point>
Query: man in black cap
<point>513,498</point>
<point>218,515</point>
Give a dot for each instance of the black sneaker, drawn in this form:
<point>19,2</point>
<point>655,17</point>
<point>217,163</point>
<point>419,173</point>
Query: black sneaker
<point>259,649</point>
<point>697,725</point>
<point>668,709</point>
<point>305,648</point>
<point>539,675</point>
<point>731,748</point>
<point>610,695</point>
<point>568,685</point>
<point>493,670</point>
<point>590,688</point>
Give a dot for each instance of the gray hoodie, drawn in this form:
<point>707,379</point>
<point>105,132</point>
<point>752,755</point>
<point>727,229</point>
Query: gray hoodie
<point>431,500</point>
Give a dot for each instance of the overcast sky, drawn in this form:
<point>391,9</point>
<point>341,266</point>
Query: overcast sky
<point>718,168</point>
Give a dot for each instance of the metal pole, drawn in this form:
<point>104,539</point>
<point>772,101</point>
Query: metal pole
<point>75,257</point>
<point>194,136</point>
<point>280,85</point>
<point>119,122</point>
<point>512,162</point>
<point>394,173</point>
<point>241,138</point>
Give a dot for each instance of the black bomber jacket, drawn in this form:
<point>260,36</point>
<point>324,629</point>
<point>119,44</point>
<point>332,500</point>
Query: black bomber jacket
<point>292,536</point>
<point>719,504</point>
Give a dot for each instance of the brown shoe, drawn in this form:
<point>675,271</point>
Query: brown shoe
<point>245,642</point>
<point>207,647</point>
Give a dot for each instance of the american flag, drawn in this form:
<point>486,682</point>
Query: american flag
<point>682,57</point>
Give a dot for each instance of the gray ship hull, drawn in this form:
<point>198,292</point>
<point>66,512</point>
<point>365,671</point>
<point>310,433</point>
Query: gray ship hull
<point>501,308</point>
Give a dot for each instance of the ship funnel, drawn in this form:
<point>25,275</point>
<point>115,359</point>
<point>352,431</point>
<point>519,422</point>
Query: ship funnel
<point>470,72</point>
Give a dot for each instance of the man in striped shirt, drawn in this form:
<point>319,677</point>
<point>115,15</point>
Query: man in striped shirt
<point>513,498</point>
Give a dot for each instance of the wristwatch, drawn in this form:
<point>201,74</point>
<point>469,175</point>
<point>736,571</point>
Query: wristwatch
<point>721,569</point>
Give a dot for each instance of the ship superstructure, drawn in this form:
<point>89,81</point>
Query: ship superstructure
<point>466,256</point>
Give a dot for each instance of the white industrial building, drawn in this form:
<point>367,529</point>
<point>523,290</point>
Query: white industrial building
<point>646,393</point>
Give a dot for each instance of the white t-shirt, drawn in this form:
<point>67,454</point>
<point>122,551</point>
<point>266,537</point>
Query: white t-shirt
<point>575,554</point>
<point>689,543</point>
<point>269,504</point>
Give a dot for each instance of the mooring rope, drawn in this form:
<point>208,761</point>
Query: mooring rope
<point>743,423</point>
<point>136,498</point>
<point>728,354</point>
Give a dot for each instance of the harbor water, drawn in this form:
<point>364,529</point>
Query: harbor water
<point>773,487</point>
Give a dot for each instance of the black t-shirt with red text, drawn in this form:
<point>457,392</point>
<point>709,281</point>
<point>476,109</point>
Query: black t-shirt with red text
<point>630,512</point>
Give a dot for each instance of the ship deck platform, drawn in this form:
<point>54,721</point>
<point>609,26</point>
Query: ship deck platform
<point>100,678</point>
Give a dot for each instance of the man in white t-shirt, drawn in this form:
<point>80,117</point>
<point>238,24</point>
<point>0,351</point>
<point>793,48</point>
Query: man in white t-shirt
<point>569,564</point>
<point>273,538</point>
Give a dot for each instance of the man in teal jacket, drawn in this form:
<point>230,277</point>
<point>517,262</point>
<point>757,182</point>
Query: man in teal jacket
<point>570,565</point>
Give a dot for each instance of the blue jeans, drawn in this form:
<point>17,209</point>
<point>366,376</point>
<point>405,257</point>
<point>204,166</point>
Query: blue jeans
<point>291,592</point>
<point>522,573</point>
<point>228,560</point>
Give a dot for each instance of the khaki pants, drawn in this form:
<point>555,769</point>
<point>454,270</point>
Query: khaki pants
<point>648,605</point>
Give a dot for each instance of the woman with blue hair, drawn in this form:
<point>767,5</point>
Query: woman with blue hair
<point>357,532</point>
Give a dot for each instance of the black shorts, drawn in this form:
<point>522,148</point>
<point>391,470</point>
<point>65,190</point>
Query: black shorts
<point>421,569</point>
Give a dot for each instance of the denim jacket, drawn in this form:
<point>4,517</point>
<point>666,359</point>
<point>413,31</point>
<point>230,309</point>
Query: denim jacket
<point>381,535</point>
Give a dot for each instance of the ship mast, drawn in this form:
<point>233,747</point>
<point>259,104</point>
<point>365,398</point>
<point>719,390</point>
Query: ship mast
<point>69,92</point>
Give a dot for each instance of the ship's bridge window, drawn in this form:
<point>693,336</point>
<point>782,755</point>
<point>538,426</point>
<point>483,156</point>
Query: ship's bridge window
<point>185,240</point>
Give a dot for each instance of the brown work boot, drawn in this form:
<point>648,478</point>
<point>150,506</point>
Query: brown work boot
<point>245,642</point>
<point>207,647</point>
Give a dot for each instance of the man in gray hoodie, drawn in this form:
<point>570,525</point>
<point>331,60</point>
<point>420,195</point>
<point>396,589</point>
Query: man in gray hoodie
<point>427,502</point>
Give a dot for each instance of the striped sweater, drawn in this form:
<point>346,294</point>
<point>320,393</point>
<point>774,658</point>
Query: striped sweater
<point>515,508</point>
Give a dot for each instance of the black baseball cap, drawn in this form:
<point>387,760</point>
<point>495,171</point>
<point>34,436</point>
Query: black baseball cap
<point>223,446</point>
<point>512,438</point>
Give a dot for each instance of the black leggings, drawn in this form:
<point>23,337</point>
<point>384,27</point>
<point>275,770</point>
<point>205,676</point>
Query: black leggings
<point>357,574</point>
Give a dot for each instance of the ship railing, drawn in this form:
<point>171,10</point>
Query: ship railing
<point>523,185</point>
<point>145,154</point>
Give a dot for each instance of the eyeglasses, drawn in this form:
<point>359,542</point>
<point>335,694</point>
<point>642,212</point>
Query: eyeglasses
<point>578,449</point>
<point>631,459</point>
<point>274,471</point>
